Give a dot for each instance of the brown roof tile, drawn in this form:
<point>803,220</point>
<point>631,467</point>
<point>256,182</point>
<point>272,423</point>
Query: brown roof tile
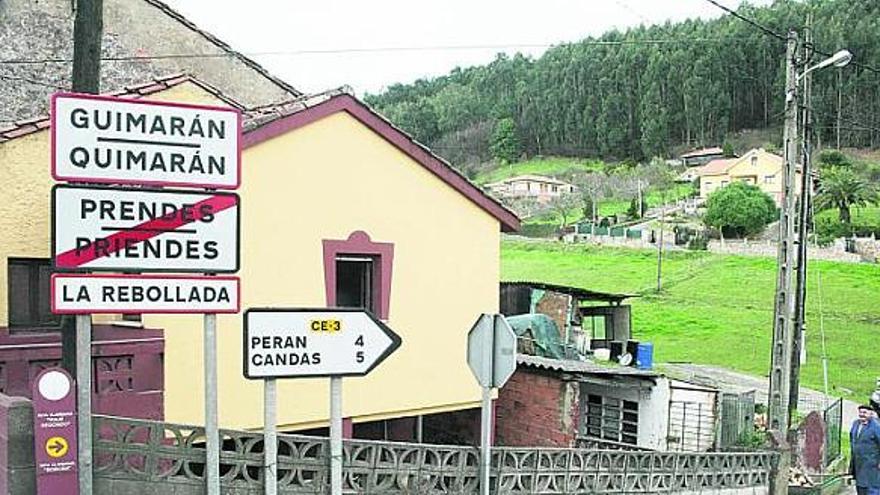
<point>28,126</point>
<point>717,166</point>
<point>20,131</point>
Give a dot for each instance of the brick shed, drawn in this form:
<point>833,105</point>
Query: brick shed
<point>553,403</point>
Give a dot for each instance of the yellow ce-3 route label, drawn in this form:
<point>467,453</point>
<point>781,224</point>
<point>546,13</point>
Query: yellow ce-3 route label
<point>56,446</point>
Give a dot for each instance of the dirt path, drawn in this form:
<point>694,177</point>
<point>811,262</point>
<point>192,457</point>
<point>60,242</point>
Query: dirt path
<point>732,381</point>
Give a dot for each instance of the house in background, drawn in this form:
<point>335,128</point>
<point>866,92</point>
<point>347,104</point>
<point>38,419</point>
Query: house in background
<point>758,167</point>
<point>713,175</point>
<point>543,189</point>
<point>701,156</point>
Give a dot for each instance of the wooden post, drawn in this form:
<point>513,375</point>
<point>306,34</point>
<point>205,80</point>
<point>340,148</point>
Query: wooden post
<point>87,29</point>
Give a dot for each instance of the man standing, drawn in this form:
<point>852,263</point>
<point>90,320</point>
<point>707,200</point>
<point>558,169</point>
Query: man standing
<point>865,442</point>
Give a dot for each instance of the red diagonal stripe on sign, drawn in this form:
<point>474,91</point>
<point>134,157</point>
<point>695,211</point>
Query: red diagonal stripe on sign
<point>151,228</point>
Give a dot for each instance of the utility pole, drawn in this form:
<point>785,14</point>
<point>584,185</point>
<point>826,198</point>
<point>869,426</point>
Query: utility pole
<point>799,338</point>
<point>784,308</point>
<point>639,189</point>
<point>87,28</point>
<point>839,104</point>
<point>660,247</point>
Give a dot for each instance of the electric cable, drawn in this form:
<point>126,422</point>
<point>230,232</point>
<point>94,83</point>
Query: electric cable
<point>335,51</point>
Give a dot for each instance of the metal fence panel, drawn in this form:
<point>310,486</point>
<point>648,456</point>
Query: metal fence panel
<point>691,426</point>
<point>737,417</point>
<point>833,416</point>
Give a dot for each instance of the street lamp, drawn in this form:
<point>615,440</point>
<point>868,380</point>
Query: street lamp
<point>839,59</point>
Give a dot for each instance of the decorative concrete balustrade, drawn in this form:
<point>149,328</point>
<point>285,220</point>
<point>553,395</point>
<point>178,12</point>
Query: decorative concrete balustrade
<point>146,457</point>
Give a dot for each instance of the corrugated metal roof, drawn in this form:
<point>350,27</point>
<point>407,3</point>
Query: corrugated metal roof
<point>583,367</point>
<point>584,294</point>
<point>703,152</point>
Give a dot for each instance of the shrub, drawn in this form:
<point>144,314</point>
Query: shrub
<point>539,230</point>
<point>740,210</point>
<point>698,242</point>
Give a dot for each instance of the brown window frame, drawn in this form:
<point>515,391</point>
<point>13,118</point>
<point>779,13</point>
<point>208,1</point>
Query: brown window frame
<point>34,318</point>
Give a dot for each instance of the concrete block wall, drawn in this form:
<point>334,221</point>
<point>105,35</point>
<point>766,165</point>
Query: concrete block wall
<point>17,468</point>
<point>537,409</point>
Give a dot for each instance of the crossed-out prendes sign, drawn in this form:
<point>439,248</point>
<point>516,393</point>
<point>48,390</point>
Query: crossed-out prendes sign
<point>105,229</point>
<point>281,343</point>
<point>114,140</point>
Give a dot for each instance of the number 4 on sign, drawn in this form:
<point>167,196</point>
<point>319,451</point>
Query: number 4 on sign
<point>359,355</point>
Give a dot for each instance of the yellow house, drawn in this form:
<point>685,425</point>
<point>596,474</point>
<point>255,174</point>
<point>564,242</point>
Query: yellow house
<point>758,167</point>
<point>339,207</point>
<point>714,175</point>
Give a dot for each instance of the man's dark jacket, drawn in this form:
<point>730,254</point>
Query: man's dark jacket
<point>866,454</point>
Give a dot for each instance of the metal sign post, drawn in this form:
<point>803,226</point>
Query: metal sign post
<point>212,430</point>
<point>84,401</point>
<point>270,438</point>
<point>302,342</point>
<point>491,355</point>
<point>485,440</point>
<point>335,435</point>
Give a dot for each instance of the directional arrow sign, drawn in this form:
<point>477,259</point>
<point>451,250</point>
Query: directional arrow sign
<point>303,342</point>
<point>56,446</point>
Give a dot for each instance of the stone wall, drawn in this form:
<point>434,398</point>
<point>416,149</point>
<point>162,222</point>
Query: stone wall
<point>535,408</point>
<point>835,252</point>
<point>867,249</point>
<point>17,469</point>
<point>38,30</point>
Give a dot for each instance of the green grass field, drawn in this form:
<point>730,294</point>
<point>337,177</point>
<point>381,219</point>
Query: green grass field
<point>717,309</point>
<point>868,215</point>
<point>550,166</point>
<point>613,206</point>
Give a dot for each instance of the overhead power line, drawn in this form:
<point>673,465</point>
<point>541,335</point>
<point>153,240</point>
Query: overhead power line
<point>31,81</point>
<point>776,35</point>
<point>743,18</point>
<point>336,51</point>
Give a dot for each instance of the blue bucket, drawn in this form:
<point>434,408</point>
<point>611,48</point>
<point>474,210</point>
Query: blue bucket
<point>645,355</point>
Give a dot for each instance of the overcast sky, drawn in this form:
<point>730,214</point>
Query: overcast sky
<point>372,44</point>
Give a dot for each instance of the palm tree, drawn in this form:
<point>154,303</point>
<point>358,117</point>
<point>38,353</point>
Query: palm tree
<point>841,188</point>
